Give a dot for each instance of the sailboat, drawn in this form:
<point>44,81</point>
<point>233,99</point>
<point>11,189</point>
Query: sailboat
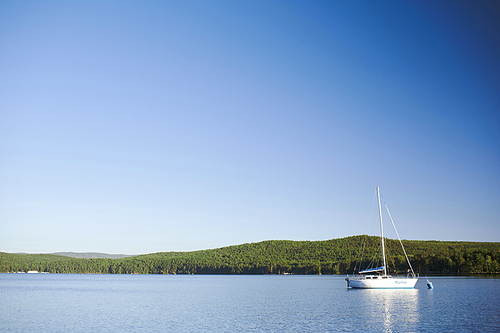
<point>377,278</point>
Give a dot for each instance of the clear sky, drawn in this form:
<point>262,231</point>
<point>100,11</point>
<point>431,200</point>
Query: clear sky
<point>148,126</point>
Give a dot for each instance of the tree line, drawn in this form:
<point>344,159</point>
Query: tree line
<point>336,256</point>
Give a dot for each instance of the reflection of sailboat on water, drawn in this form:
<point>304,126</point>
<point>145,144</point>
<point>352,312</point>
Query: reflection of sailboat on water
<point>390,310</point>
<point>377,278</point>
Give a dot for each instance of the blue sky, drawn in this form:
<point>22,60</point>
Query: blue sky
<point>139,127</point>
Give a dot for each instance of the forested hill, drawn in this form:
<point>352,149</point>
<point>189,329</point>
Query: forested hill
<point>336,256</point>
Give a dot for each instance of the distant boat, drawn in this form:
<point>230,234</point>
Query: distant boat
<point>377,278</point>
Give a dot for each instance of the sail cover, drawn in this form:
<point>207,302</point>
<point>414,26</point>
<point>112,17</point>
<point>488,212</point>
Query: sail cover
<point>376,269</point>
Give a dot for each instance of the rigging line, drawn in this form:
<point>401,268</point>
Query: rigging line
<point>407,260</point>
<point>377,257</point>
<point>371,212</point>
<point>366,236</point>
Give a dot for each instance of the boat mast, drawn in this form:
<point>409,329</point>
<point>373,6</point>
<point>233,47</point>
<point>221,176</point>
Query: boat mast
<point>381,229</point>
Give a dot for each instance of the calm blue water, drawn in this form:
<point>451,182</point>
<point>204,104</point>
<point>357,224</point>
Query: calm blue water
<point>215,303</point>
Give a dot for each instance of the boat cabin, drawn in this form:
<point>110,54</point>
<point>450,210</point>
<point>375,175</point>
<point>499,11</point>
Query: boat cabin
<point>368,277</point>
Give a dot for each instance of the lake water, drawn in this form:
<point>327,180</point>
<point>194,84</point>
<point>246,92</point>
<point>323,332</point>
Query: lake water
<point>225,303</point>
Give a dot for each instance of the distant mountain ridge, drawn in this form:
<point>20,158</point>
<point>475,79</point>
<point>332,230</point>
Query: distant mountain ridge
<point>91,255</point>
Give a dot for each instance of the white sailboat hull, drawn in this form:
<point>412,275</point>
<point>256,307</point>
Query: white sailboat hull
<point>381,282</point>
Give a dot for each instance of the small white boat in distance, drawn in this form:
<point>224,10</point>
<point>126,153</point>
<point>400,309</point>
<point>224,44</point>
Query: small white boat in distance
<point>377,278</point>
